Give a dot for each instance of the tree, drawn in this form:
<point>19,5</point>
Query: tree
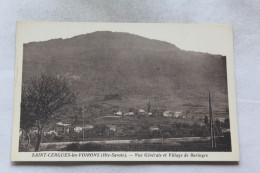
<point>148,107</point>
<point>43,99</point>
<point>226,123</point>
<point>206,120</point>
<point>27,119</point>
<point>218,127</point>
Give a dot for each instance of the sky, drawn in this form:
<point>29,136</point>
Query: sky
<point>214,39</point>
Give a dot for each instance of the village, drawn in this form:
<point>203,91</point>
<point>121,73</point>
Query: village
<point>134,125</point>
<point>131,126</point>
<point>66,128</point>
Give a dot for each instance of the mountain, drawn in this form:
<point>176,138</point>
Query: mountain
<point>125,70</point>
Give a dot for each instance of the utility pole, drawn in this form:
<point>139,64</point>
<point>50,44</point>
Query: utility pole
<point>212,132</point>
<point>83,116</point>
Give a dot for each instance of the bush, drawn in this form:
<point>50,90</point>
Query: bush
<point>72,147</point>
<point>85,147</point>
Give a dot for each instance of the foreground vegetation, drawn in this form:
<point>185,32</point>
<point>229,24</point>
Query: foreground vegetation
<point>223,144</point>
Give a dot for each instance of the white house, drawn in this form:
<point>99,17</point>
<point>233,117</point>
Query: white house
<point>177,114</point>
<point>167,114</point>
<point>112,127</point>
<point>141,112</point>
<point>51,132</point>
<point>149,114</point>
<point>77,129</point>
<point>119,113</point>
<point>154,128</point>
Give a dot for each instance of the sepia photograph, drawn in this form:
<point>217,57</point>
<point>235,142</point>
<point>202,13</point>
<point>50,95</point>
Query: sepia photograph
<point>139,90</point>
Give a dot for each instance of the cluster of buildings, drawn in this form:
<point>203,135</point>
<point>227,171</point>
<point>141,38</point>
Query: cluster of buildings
<point>66,128</point>
<point>141,112</point>
<point>63,128</point>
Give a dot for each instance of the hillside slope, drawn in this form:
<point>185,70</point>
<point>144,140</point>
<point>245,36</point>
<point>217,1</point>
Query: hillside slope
<point>137,69</point>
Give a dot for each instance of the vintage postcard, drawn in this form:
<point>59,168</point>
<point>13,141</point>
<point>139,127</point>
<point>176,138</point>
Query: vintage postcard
<point>124,92</point>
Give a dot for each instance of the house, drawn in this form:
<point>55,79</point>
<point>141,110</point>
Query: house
<point>149,114</point>
<point>202,124</point>
<point>225,130</point>
<point>50,133</point>
<point>62,128</point>
<point>118,113</point>
<point>184,116</point>
<point>154,128</point>
<point>77,129</point>
<point>141,112</point>
<point>222,120</point>
<point>167,114</point>
<point>177,114</point>
<point>88,127</point>
<point>112,127</point>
